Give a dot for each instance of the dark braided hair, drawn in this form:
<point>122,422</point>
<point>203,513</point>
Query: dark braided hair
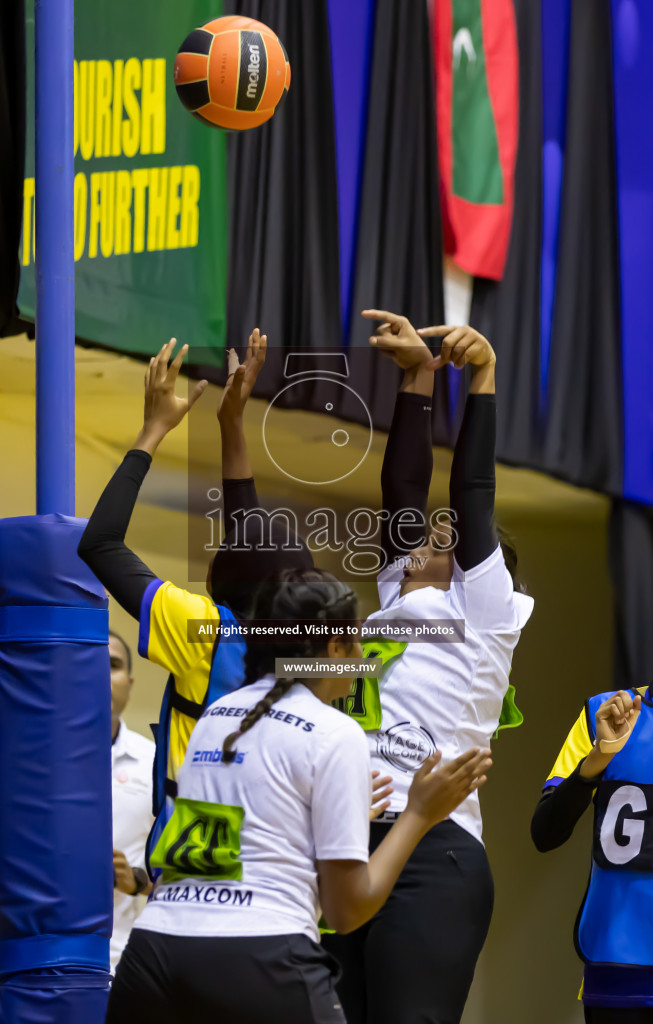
<point>294,595</point>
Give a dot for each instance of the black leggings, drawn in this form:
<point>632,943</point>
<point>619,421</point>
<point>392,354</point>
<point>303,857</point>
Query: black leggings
<point>171,979</point>
<point>414,961</point>
<point>603,1015</point>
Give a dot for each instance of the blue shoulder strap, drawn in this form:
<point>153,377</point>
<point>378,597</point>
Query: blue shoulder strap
<point>228,664</point>
<point>161,733</point>
<point>227,673</point>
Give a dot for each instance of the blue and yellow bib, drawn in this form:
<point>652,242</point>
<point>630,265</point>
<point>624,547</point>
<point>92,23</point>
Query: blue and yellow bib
<point>200,673</point>
<point>614,928</point>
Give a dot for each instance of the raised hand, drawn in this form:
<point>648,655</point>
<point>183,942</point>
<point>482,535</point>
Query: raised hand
<point>242,376</point>
<point>463,346</point>
<point>434,794</point>
<point>615,721</point>
<point>164,410</point>
<point>398,339</point>
<point>460,345</point>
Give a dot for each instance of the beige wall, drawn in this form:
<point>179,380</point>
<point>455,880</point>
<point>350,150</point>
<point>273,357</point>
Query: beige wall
<point>529,970</point>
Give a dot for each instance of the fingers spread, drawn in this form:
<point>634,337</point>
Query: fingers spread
<point>198,390</point>
<point>473,766</point>
<point>429,763</point>
<point>237,382</point>
<point>162,361</point>
<point>378,783</point>
<point>260,347</point>
<point>175,366</point>
<point>463,759</point>
<point>476,784</point>
<point>233,361</point>
<point>375,811</point>
<point>383,794</point>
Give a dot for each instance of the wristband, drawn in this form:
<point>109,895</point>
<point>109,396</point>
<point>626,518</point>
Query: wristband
<point>142,881</point>
<point>614,746</point>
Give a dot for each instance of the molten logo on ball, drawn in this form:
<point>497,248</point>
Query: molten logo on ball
<point>254,64</point>
<point>253,70</point>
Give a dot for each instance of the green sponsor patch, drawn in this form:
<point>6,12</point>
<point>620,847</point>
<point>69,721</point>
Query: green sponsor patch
<point>201,839</point>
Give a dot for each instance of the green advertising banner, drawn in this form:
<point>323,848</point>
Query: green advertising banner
<point>150,184</point>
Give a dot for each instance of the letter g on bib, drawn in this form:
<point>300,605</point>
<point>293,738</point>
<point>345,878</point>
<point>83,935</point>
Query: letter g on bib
<point>624,828</point>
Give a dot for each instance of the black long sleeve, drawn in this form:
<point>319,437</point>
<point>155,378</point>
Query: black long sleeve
<point>103,546</point>
<point>472,483</point>
<point>406,472</point>
<point>238,495</point>
<point>559,809</point>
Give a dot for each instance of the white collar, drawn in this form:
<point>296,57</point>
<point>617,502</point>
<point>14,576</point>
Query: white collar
<point>123,745</point>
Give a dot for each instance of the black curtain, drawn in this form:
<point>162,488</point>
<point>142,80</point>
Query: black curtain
<point>578,437</point>
<point>284,244</point>
<point>584,435</point>
<point>12,163</point>
<point>631,563</point>
<point>283,263</point>
<point>508,312</point>
<point>399,250</point>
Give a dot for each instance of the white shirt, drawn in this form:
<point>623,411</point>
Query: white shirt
<point>131,768</point>
<point>302,779</point>
<point>447,697</point>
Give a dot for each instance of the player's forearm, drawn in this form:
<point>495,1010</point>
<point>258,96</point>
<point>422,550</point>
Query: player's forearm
<point>483,379</point>
<point>594,764</point>
<point>472,483</point>
<point>102,545</point>
<point>236,463</point>
<point>406,472</point>
<point>149,438</point>
<point>418,381</point>
<point>559,809</point>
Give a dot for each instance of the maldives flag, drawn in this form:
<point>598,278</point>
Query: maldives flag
<point>476,61</point>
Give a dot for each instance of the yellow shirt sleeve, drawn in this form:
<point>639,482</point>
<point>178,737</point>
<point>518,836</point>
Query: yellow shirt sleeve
<point>577,746</point>
<point>163,638</point>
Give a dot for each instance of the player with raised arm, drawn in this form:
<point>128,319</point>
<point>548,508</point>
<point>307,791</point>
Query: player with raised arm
<point>607,759</point>
<point>271,821</point>
<point>415,960</point>
<point>203,670</point>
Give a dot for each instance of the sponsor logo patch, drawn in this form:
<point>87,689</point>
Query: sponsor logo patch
<point>405,746</point>
<point>214,757</point>
<point>253,70</point>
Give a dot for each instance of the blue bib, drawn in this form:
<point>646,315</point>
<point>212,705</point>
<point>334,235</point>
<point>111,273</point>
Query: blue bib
<point>615,922</point>
<point>227,674</point>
